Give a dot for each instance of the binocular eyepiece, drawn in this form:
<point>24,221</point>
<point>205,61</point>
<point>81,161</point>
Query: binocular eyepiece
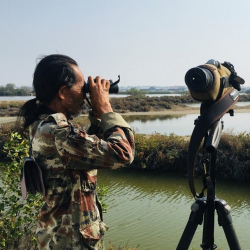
<point>114,88</point>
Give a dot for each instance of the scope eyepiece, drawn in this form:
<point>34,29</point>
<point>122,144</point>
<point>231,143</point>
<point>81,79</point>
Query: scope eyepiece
<point>213,62</point>
<point>114,88</point>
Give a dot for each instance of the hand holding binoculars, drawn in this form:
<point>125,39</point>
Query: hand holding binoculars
<point>114,88</point>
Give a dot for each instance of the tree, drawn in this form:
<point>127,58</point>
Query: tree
<point>136,92</point>
<point>2,90</point>
<point>24,90</point>
<point>10,89</point>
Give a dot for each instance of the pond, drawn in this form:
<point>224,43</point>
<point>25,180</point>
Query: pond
<point>152,209</point>
<point>184,124</point>
<point>178,124</point>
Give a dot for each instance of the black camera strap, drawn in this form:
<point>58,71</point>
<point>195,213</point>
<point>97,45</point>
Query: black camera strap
<point>205,121</point>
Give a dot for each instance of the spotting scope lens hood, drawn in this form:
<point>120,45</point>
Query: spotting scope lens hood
<point>199,79</point>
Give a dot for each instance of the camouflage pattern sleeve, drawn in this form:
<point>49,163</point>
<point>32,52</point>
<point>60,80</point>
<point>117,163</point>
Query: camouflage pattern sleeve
<point>84,151</point>
<point>95,127</point>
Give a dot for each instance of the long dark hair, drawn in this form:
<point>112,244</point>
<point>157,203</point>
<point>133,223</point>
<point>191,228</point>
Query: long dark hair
<point>50,74</point>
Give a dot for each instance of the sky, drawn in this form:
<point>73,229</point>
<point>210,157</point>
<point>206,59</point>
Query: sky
<point>146,42</point>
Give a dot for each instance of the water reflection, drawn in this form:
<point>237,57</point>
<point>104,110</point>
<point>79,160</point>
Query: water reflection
<point>166,124</point>
<point>184,124</point>
<point>239,104</point>
<point>152,183</point>
<point>178,124</point>
<point>152,209</point>
<point>146,118</point>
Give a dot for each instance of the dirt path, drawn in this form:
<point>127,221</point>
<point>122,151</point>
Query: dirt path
<point>7,119</point>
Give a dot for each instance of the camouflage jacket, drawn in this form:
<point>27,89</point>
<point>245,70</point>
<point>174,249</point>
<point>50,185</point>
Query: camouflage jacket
<point>69,158</point>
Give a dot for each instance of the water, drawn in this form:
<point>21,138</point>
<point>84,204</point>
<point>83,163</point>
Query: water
<point>149,95</point>
<point>166,124</point>
<point>16,98</point>
<point>239,104</point>
<point>152,209</point>
<point>26,98</point>
<point>178,124</point>
<point>184,124</point>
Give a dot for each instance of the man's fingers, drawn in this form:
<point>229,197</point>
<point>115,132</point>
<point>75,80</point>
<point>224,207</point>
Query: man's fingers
<point>105,83</point>
<point>98,80</point>
<point>90,80</point>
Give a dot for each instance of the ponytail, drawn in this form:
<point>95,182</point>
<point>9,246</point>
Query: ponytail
<point>30,112</point>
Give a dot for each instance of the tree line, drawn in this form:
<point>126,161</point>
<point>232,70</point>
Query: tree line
<point>10,89</point>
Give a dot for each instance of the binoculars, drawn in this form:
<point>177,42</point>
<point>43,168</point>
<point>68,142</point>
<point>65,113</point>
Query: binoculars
<point>114,88</point>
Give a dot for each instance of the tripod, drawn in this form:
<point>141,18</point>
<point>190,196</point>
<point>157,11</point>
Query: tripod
<point>205,206</point>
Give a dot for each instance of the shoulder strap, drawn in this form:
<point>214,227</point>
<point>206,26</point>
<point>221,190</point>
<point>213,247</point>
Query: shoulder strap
<point>213,114</point>
<point>31,175</point>
<point>31,178</point>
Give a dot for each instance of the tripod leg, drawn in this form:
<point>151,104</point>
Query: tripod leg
<point>195,218</point>
<point>208,230</point>
<point>208,226</point>
<point>225,220</point>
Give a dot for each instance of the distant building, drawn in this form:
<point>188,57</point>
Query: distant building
<point>155,88</point>
<point>177,88</point>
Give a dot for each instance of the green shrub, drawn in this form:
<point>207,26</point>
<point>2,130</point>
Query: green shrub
<point>145,108</point>
<point>18,218</point>
<point>143,102</point>
<point>161,152</point>
<point>234,157</point>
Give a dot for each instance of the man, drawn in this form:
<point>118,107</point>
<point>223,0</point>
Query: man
<point>71,216</point>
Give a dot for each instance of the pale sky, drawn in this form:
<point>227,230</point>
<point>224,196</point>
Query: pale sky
<point>147,42</point>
